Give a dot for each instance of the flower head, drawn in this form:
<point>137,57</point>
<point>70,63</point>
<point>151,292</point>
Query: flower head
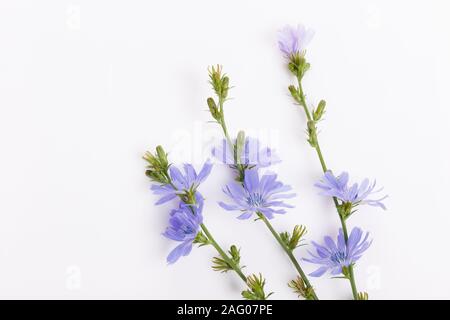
<point>293,41</point>
<point>334,257</point>
<point>181,183</point>
<point>257,195</point>
<point>184,224</point>
<point>355,194</point>
<point>252,154</point>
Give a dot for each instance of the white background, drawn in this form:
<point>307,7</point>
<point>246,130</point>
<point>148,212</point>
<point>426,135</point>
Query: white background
<point>87,86</point>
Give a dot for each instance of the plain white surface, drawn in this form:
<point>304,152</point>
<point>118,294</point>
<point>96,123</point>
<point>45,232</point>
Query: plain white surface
<point>87,86</point>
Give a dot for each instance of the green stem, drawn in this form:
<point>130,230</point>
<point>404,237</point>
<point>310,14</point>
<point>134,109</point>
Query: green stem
<point>289,253</point>
<point>275,234</point>
<point>225,257</point>
<point>225,129</point>
<point>351,276</point>
<point>324,168</point>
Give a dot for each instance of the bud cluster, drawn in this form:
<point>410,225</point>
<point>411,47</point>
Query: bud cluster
<point>158,166</point>
<point>221,85</point>
<point>292,241</point>
<point>220,264</point>
<point>256,288</point>
<point>299,286</point>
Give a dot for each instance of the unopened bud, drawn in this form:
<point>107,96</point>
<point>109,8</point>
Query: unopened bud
<point>225,86</point>
<point>318,113</point>
<point>294,93</point>
<point>213,108</point>
<point>312,133</point>
<point>162,155</point>
<point>240,145</point>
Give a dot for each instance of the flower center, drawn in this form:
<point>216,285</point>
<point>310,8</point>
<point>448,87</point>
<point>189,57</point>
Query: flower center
<point>188,230</point>
<point>338,257</point>
<point>255,199</point>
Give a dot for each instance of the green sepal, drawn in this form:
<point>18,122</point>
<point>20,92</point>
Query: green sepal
<point>298,65</point>
<point>362,296</point>
<point>301,289</point>
<point>255,289</point>
<point>220,264</point>
<point>201,239</point>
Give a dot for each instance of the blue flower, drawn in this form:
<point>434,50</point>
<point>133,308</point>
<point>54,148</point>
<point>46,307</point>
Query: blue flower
<point>334,256</point>
<point>253,154</point>
<point>257,195</point>
<point>181,183</point>
<point>292,41</point>
<point>184,224</point>
<point>356,194</point>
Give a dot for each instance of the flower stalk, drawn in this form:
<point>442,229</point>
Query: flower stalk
<point>309,288</point>
<point>299,96</point>
<point>173,184</point>
<point>218,82</point>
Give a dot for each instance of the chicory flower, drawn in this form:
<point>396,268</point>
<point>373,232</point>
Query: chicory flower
<point>355,194</point>
<point>252,155</point>
<point>181,183</point>
<point>184,224</point>
<point>334,257</point>
<point>293,41</point>
<point>257,195</point>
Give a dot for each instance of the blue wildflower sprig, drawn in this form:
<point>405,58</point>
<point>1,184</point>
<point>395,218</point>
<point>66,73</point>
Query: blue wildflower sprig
<point>257,195</point>
<point>292,43</point>
<point>252,194</point>
<point>349,196</point>
<point>186,224</point>
<point>337,257</point>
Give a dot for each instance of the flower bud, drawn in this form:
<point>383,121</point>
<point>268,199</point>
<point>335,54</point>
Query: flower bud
<point>213,108</point>
<point>294,93</point>
<point>225,86</point>
<point>235,254</point>
<point>312,133</point>
<point>157,165</point>
<point>162,156</point>
<point>318,113</point>
<point>240,145</point>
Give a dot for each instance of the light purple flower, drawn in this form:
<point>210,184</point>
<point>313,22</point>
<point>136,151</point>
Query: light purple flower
<point>355,194</point>
<point>292,41</point>
<point>184,224</point>
<point>257,195</point>
<point>189,181</point>
<point>334,256</point>
<point>253,154</point>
